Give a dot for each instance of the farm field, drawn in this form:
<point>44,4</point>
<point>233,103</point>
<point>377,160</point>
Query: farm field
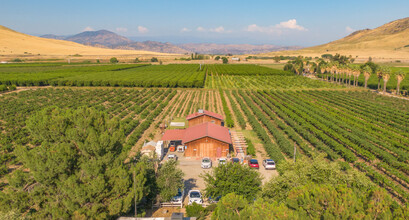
<point>265,82</point>
<point>367,131</point>
<point>140,110</point>
<point>244,69</point>
<point>129,75</point>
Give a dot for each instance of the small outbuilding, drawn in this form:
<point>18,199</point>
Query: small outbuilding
<point>203,116</point>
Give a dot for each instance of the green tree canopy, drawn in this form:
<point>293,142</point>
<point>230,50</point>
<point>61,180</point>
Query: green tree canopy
<point>113,60</point>
<point>230,178</point>
<point>316,170</point>
<point>170,179</point>
<point>76,170</point>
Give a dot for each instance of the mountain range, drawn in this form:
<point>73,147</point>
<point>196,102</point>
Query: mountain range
<point>108,39</point>
<point>13,43</point>
<point>390,40</point>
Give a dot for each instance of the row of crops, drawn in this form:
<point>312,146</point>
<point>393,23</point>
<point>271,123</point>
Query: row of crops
<point>265,82</point>
<point>368,131</point>
<point>128,75</point>
<point>244,70</point>
<point>138,109</point>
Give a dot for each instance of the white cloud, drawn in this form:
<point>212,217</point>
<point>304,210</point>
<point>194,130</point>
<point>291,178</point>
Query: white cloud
<point>88,29</point>
<point>291,24</point>
<point>121,29</point>
<point>200,29</point>
<point>219,29</point>
<point>185,30</point>
<point>276,29</point>
<point>142,29</point>
<point>348,29</point>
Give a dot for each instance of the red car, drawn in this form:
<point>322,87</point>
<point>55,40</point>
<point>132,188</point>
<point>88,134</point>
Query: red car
<point>253,163</point>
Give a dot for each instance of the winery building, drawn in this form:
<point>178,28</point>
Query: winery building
<point>205,138</point>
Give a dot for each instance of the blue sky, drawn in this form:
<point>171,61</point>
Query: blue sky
<point>303,23</point>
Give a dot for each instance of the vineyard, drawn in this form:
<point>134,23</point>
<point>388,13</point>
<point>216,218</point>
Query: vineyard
<point>244,70</point>
<point>364,130</point>
<point>128,75</point>
<point>369,132</point>
<point>264,82</point>
<point>140,110</point>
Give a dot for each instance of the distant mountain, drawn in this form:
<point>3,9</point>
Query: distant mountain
<point>108,39</point>
<point>101,37</point>
<point>53,36</point>
<point>390,40</point>
<point>16,43</point>
<point>212,48</point>
<point>153,46</point>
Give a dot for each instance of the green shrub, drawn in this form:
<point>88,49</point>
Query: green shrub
<point>194,210</point>
<point>113,60</point>
<point>250,148</point>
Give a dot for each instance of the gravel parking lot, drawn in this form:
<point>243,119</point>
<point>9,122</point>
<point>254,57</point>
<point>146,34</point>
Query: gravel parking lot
<point>192,169</point>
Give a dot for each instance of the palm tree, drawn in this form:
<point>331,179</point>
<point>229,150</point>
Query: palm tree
<point>322,70</point>
<point>357,73</point>
<point>379,74</point>
<point>328,69</point>
<point>297,68</point>
<point>348,71</point>
<point>399,77</point>
<point>367,73</point>
<point>385,76</point>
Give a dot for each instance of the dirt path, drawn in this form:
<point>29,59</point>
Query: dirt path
<point>218,103</point>
<point>20,89</point>
<point>179,99</point>
<point>152,129</point>
<point>248,126</point>
<point>186,100</point>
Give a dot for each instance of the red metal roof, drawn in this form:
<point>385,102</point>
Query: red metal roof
<point>207,130</point>
<point>211,114</point>
<point>174,135</point>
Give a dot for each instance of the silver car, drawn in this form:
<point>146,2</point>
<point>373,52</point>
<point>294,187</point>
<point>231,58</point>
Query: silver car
<point>269,164</point>
<point>206,163</point>
<point>172,157</point>
<point>195,196</point>
<point>179,197</point>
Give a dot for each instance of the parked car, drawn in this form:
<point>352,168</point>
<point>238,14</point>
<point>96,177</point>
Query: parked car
<point>235,160</point>
<point>206,163</point>
<point>195,196</point>
<point>222,161</point>
<point>214,200</point>
<point>179,197</point>
<point>181,148</point>
<point>269,164</point>
<point>172,157</point>
<point>253,163</point>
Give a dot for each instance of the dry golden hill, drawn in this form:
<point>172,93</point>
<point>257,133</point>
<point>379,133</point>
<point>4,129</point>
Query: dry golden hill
<point>389,41</point>
<point>16,43</point>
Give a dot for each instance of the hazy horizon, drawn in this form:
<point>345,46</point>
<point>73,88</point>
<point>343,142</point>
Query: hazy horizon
<point>297,23</point>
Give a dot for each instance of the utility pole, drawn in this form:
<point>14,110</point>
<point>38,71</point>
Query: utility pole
<point>134,188</point>
<point>295,151</point>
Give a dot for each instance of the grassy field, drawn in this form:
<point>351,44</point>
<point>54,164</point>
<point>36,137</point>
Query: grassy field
<point>277,111</point>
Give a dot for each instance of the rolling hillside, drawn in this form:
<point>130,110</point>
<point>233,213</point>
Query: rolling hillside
<point>15,43</point>
<point>387,41</point>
